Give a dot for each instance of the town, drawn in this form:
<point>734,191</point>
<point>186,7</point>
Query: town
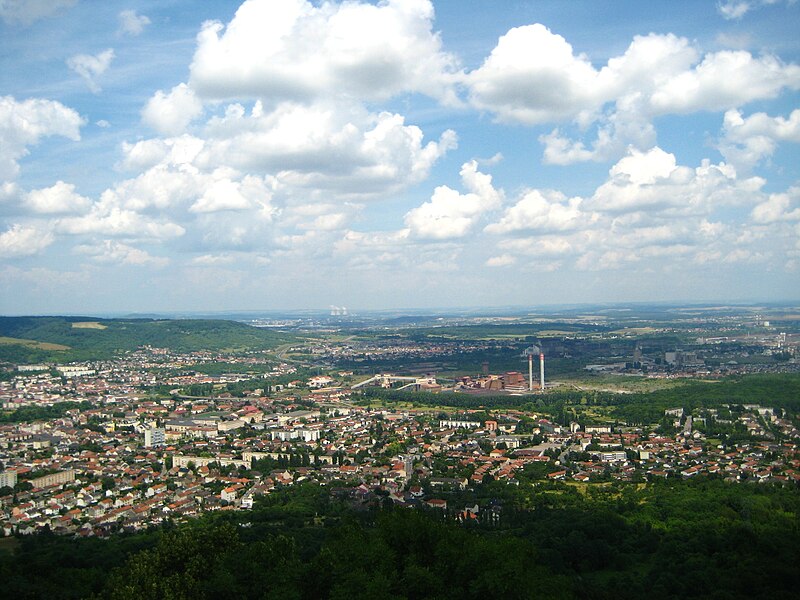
<point>95,448</point>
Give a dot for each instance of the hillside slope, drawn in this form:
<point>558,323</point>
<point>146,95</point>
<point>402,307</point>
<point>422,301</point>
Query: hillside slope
<point>88,337</point>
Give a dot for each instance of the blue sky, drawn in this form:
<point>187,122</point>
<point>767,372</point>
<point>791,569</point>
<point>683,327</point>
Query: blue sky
<point>184,155</point>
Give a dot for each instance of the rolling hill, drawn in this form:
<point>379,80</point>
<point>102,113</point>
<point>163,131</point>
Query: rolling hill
<point>80,338</point>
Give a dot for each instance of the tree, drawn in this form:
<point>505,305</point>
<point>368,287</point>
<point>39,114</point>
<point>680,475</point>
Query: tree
<point>23,486</point>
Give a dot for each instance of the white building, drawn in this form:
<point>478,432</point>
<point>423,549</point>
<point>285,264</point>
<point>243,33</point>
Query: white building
<point>309,435</point>
<point>75,371</point>
<point>8,479</point>
<point>616,456</point>
<point>32,368</point>
<point>597,429</point>
<point>223,426</point>
<point>456,424</point>
<point>154,436</point>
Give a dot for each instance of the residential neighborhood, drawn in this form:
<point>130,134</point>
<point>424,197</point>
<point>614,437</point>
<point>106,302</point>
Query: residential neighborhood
<point>123,458</point>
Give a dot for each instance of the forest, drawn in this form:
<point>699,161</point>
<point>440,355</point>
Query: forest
<point>702,538</point>
<point>89,338</point>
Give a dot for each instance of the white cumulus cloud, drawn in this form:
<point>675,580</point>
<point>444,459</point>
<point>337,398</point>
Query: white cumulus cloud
<point>723,80</point>
<point>23,240</point>
<point>542,211</point>
<point>118,222</point>
<point>320,148</point>
<point>23,124</point>
<point>56,199</point>
<point>171,113</point>
<point>746,141</point>
<point>534,76</point>
<point>652,182</point>
<point>224,194</point>
<point>650,211</point>
<point>294,50</point>
<point>779,208</point>
<point>644,167</point>
<point>450,214</point>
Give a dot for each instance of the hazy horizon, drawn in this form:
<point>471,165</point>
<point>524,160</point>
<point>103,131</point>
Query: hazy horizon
<point>509,311</point>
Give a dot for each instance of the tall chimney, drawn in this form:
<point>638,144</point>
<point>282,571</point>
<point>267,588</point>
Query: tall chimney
<point>530,372</point>
<point>541,370</point>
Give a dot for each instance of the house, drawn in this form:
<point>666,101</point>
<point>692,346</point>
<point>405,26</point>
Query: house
<point>229,493</point>
<point>470,513</point>
<point>320,381</point>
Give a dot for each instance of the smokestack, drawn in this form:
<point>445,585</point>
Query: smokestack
<point>541,370</point>
<point>530,372</point>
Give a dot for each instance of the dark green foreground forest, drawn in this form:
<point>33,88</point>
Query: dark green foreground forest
<point>702,538</point>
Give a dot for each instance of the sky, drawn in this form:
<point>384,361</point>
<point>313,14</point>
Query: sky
<point>184,155</point>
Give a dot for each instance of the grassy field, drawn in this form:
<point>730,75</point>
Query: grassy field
<point>409,406</point>
<point>635,331</point>
<point>594,414</point>
<point>32,344</point>
<point>620,383</point>
<point>89,325</point>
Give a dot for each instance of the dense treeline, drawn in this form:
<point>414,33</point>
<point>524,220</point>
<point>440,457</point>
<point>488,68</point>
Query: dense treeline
<point>239,388</point>
<point>672,539</point>
<point>22,354</point>
<point>27,414</point>
<point>457,400</point>
<point>773,390</point>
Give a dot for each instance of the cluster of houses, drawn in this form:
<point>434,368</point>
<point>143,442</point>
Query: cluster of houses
<point>126,460</point>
